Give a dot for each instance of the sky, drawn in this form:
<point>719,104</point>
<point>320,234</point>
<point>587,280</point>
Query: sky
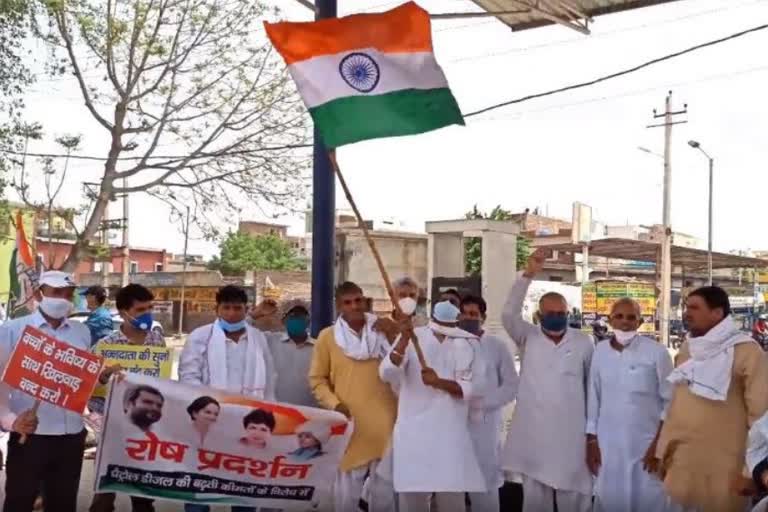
<point>547,153</point>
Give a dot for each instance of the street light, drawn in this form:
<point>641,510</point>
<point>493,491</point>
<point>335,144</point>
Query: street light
<point>695,145</point>
<point>650,152</point>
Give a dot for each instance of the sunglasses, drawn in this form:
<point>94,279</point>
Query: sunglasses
<point>622,316</point>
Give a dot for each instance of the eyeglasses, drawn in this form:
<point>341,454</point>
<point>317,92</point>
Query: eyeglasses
<point>622,316</point>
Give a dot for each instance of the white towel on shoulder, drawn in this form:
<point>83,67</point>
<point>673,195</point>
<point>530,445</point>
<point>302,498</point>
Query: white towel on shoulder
<point>255,375</point>
<point>708,372</point>
<point>368,345</point>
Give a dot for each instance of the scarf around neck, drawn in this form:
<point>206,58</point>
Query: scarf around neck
<point>368,345</point>
<point>708,372</point>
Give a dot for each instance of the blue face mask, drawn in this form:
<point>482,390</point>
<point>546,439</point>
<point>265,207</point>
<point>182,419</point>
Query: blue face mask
<point>232,326</point>
<point>554,323</point>
<point>142,322</point>
<point>296,325</point>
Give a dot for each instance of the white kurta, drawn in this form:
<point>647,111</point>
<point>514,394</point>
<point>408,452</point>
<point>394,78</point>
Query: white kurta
<point>500,383</point>
<point>546,439</point>
<point>628,393</point>
<point>432,446</point>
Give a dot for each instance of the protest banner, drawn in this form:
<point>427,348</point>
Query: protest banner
<point>52,371</point>
<point>152,361</point>
<point>163,439</point>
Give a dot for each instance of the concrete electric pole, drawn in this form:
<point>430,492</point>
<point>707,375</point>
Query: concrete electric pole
<point>666,243</point>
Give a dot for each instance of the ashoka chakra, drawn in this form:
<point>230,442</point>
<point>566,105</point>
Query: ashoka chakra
<point>360,71</point>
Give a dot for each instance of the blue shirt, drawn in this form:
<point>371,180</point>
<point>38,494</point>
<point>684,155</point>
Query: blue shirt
<point>52,420</point>
<point>100,324</point>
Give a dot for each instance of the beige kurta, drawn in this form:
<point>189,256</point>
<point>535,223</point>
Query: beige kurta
<point>703,442</point>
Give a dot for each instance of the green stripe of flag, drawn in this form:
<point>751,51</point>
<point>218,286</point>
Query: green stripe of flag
<point>407,112</point>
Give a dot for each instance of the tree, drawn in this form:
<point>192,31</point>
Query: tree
<point>240,253</point>
<point>15,19</point>
<point>196,108</point>
<point>46,203</point>
<point>473,247</point>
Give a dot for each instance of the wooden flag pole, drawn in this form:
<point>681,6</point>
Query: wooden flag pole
<point>23,438</point>
<point>375,251</point>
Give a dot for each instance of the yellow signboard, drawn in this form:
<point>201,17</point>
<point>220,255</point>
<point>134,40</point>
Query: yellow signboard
<point>598,298</point>
<point>153,361</point>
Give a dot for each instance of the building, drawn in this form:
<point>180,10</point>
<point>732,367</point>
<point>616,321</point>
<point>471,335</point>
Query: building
<point>142,260</point>
<point>257,228</point>
<point>195,262</point>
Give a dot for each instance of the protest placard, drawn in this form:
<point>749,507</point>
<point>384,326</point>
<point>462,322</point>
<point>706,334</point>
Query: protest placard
<point>52,371</point>
<point>163,439</point>
<point>152,361</point>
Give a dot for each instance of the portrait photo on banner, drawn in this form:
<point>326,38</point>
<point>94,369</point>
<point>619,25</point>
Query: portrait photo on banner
<point>167,440</point>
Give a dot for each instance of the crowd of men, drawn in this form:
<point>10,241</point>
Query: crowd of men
<point>612,427</point>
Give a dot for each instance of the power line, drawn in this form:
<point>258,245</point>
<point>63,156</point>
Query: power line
<point>618,73</point>
<point>496,106</point>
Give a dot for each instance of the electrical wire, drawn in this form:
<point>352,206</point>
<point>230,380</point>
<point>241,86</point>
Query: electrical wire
<point>617,74</point>
<point>483,110</point>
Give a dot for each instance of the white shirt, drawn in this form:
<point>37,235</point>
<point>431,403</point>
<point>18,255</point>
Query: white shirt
<point>546,440</point>
<point>628,393</point>
<point>52,420</point>
<point>432,446</point>
<point>500,388</point>
<point>193,362</point>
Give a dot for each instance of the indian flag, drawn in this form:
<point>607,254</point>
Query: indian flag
<point>24,275</point>
<point>367,76</point>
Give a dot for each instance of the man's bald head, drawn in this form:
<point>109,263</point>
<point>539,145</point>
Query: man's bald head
<point>552,302</point>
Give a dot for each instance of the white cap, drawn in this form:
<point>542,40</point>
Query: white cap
<point>57,279</point>
<point>320,430</point>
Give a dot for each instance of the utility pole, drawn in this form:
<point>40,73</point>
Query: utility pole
<point>184,273</point>
<point>126,250</point>
<point>666,242</point>
<point>105,245</point>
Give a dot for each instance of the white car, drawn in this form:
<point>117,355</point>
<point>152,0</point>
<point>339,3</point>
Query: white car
<point>117,320</point>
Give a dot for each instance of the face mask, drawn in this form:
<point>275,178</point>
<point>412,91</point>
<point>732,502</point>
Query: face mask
<point>56,308</point>
<point>142,322</point>
<point>471,326</point>
<point>624,337</point>
<point>232,326</point>
<point>554,324</point>
<point>296,326</point>
<point>407,305</point>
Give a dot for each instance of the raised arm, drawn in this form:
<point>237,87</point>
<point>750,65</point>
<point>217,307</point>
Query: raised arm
<point>512,314</point>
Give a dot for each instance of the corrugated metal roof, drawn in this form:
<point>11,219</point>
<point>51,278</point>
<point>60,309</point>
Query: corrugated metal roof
<point>576,14</point>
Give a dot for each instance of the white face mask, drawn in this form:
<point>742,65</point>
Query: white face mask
<point>407,305</point>
<point>55,308</point>
<point>624,337</point>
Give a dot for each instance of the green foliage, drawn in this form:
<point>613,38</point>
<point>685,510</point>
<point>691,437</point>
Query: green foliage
<point>473,247</point>
<point>240,253</point>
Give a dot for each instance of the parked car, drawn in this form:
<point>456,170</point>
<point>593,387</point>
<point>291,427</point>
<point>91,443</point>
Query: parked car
<point>117,320</point>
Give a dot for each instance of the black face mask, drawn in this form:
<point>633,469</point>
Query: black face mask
<point>471,326</point>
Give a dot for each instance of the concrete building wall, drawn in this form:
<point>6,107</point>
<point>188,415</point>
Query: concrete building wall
<point>403,254</point>
<point>262,228</point>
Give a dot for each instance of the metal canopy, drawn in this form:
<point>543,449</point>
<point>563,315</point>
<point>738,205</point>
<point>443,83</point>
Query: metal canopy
<point>635,250</point>
<point>574,14</point>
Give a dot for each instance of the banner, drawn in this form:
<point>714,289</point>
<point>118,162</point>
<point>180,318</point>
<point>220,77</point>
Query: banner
<point>52,371</point>
<point>152,361</point>
<point>598,299</point>
<point>163,439</point>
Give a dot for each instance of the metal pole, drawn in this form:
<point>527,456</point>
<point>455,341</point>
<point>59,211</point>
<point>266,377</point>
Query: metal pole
<point>584,264</point>
<point>666,245</point>
<point>126,251</point>
<point>709,241</point>
<point>323,217</point>
<point>105,244</point>
<point>184,274</point>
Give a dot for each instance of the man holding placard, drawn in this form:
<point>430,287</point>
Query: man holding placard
<point>134,303</point>
<point>47,441</point>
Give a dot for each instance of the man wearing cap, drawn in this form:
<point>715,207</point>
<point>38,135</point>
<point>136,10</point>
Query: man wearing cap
<point>99,321</point>
<point>433,448</point>
<point>51,456</point>
<point>292,352</point>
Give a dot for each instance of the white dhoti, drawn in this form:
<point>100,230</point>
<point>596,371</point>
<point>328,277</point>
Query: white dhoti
<point>538,497</point>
